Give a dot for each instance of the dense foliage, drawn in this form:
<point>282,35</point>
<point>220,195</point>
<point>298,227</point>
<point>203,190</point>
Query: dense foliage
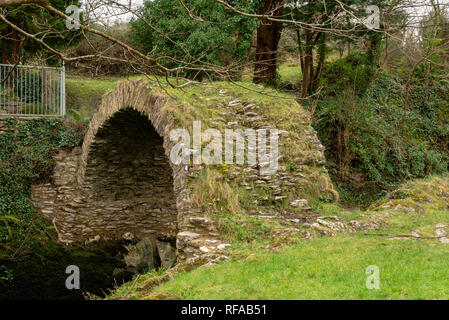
<point>375,136</point>
<point>26,158</point>
<point>217,37</point>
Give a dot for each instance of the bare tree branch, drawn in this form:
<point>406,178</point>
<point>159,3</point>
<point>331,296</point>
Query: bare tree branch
<point>6,3</point>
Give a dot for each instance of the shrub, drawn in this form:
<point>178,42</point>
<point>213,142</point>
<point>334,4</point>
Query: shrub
<point>353,72</point>
<point>374,140</point>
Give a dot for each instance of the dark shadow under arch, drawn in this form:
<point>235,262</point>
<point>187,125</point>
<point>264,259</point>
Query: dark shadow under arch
<point>127,172</point>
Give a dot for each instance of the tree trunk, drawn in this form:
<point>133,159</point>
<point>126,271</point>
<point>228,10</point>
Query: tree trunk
<point>300,49</point>
<point>310,76</point>
<point>307,71</point>
<point>4,51</point>
<point>321,58</point>
<point>15,43</point>
<point>268,36</point>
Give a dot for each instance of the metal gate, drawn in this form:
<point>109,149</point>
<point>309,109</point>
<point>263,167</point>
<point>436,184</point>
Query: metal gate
<point>32,91</point>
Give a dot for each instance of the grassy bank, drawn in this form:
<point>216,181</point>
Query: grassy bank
<point>323,268</point>
<point>83,96</point>
<point>410,257</point>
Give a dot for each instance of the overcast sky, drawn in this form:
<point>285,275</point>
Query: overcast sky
<point>106,13</point>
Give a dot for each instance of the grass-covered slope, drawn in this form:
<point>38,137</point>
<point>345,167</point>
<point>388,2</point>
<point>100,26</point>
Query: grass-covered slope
<point>410,249</point>
<point>235,196</point>
<point>83,96</point>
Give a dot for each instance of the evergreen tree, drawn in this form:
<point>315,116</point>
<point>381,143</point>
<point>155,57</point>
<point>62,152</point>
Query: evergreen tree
<point>196,34</point>
<point>34,19</point>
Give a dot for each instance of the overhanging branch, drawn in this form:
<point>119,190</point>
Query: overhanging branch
<point>6,3</point>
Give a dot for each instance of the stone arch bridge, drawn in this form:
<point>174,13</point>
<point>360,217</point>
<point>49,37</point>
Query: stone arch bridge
<point>120,183</point>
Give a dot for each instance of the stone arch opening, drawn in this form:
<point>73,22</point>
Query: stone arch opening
<point>106,190</point>
<point>129,180</point>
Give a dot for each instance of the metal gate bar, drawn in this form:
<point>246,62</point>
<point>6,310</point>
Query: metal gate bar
<point>32,91</point>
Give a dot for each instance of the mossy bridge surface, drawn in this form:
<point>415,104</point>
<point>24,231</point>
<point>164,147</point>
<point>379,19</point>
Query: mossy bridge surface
<point>121,184</point>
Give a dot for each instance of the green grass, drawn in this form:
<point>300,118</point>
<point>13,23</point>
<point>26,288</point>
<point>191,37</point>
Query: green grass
<point>82,92</point>
<point>323,268</point>
<point>83,96</point>
<point>333,267</point>
<point>290,72</point>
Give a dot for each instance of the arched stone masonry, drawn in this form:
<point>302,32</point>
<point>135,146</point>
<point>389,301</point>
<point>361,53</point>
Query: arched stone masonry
<point>128,179</point>
<point>120,183</point>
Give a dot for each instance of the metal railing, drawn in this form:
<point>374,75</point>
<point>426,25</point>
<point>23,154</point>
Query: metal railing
<point>32,91</point>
